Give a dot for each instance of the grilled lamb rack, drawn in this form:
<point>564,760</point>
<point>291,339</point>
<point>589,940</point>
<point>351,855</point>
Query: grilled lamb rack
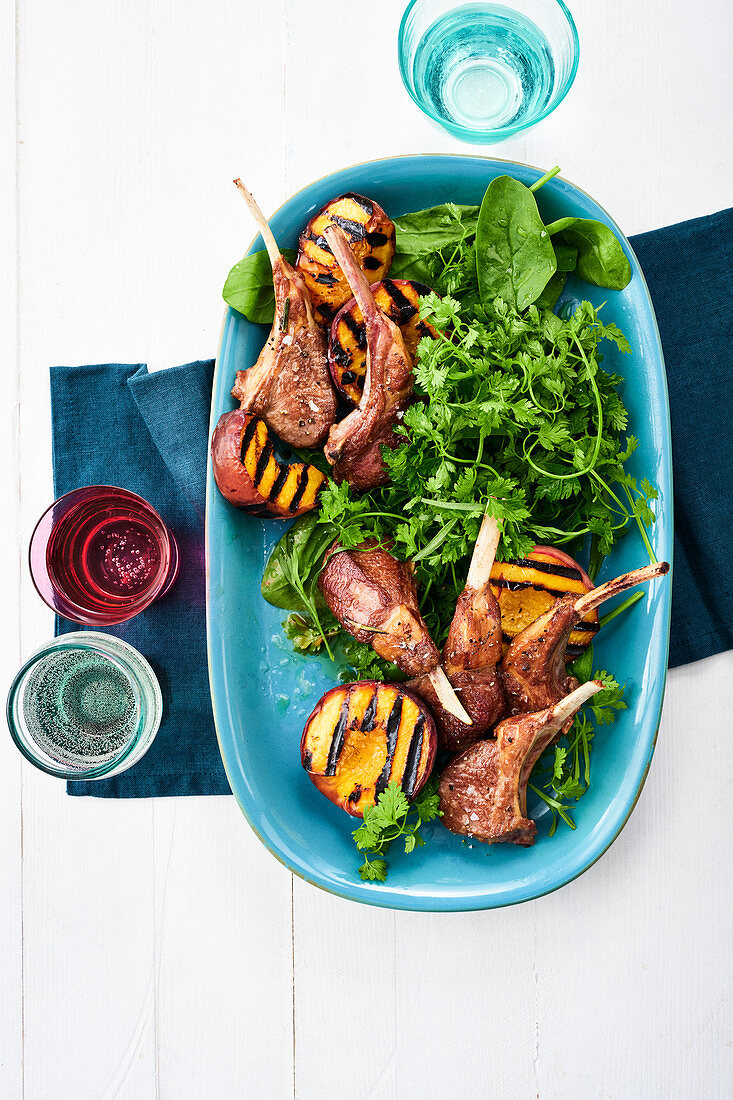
<point>472,652</point>
<point>373,596</point>
<point>533,668</point>
<point>354,445</point>
<point>483,792</point>
<point>290,384</point>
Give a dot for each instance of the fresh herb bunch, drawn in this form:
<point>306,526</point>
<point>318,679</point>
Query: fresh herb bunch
<point>390,818</point>
<point>520,420</point>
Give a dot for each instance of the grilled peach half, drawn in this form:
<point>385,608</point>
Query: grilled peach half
<point>527,587</point>
<point>252,471</point>
<point>371,235</point>
<point>400,300</point>
<point>362,736</point>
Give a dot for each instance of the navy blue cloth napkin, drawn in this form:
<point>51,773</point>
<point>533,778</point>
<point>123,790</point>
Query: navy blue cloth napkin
<point>688,268</point>
<point>120,425</point>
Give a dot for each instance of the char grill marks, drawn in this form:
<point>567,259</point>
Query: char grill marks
<point>472,652</point>
<point>533,669</point>
<point>290,486</point>
<point>253,472</point>
<point>290,384</point>
<point>370,234</point>
<point>483,792</point>
<point>527,587</point>
<point>363,736</point>
<point>347,343</point>
<point>354,445</point>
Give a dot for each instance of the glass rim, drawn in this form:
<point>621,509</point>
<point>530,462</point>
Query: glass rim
<point>501,132</point>
<point>150,595</point>
<point>98,642</point>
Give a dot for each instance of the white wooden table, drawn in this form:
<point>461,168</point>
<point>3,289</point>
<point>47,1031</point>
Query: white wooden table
<point>155,948</point>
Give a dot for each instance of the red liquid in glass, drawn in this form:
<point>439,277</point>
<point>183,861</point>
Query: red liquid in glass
<point>108,555</point>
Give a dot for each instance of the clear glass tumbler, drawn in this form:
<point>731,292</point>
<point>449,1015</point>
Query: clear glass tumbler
<point>101,554</point>
<point>84,706</point>
<point>485,71</point>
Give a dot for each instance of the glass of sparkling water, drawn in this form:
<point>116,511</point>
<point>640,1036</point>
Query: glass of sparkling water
<point>85,706</point>
<point>485,71</point>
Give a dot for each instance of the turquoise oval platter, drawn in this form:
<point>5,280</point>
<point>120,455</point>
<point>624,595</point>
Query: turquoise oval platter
<point>262,692</point>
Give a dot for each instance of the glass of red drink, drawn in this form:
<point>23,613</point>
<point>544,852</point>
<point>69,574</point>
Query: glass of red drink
<point>100,555</point>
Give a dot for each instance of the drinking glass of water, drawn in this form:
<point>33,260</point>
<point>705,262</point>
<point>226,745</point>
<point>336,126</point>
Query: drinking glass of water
<point>485,71</point>
<point>85,706</point>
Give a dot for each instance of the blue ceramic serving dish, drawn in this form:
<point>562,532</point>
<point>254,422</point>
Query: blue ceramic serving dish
<point>262,692</point>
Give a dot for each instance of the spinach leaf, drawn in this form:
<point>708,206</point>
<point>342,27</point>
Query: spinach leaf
<point>566,256</point>
<point>426,231</point>
<point>515,259</point>
<point>416,268</point>
<point>248,287</point>
<point>549,296</point>
<point>601,259</point>
<point>295,563</point>
<point>291,575</point>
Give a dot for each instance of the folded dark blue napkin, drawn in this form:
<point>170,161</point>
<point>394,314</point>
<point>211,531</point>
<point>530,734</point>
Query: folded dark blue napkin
<point>688,268</point>
<point>120,425</point>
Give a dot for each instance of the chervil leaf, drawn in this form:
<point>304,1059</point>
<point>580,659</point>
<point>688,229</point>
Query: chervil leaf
<point>607,702</point>
<point>392,804</point>
<point>392,816</point>
<point>373,870</point>
<point>427,803</point>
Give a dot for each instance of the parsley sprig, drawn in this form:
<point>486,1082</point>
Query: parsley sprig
<point>562,775</point>
<point>390,818</point>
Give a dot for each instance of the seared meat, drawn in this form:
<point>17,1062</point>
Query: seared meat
<point>472,652</point>
<point>474,638</point>
<point>354,445</point>
<point>533,668</point>
<point>483,792</point>
<point>290,384</point>
<point>373,596</point>
<point>481,693</point>
<point>347,343</point>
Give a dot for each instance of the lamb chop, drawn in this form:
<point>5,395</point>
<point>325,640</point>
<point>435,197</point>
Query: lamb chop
<point>533,668</point>
<point>373,596</point>
<point>471,652</point>
<point>354,445</point>
<point>290,384</point>
<point>483,792</point>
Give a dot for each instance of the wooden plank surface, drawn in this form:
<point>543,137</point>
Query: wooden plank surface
<point>157,949</point>
<point>11,789</point>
